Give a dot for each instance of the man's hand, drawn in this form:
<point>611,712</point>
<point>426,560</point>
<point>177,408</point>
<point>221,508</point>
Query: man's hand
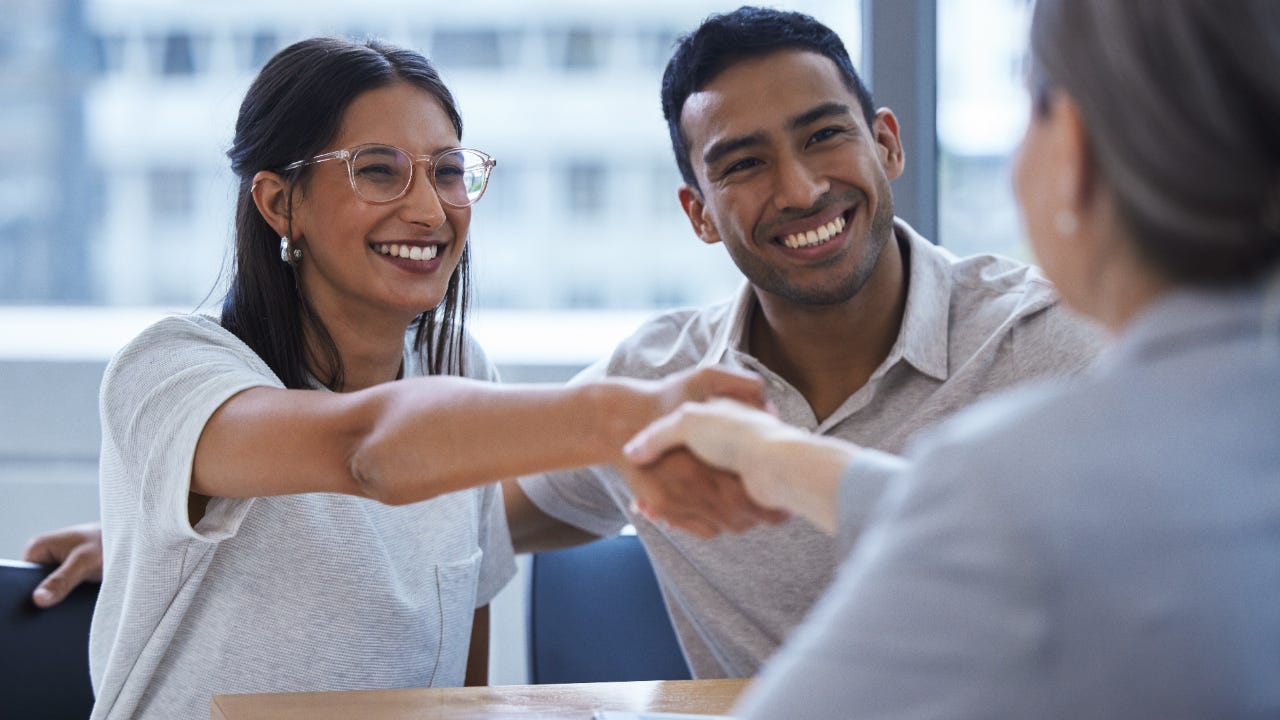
<point>76,550</point>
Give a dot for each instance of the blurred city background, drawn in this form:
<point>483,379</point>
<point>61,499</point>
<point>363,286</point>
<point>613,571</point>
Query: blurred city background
<point>115,116</point>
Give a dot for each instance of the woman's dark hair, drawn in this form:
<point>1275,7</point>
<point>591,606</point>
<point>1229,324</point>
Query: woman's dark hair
<point>291,112</point>
<point>748,32</point>
<point>1181,101</point>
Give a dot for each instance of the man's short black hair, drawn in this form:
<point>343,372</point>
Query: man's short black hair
<point>748,32</point>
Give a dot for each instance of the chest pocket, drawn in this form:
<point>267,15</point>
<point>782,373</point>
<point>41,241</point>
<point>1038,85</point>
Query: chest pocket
<point>456,592</point>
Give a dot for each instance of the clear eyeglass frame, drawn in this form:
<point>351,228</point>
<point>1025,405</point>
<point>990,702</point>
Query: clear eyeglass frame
<point>475,162</point>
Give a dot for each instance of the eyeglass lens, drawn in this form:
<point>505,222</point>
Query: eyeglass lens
<point>382,173</point>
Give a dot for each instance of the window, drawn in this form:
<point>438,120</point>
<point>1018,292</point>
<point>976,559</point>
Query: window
<point>107,53</point>
<point>178,53</point>
<point>171,192</point>
<point>982,108</point>
<point>578,48</point>
<point>468,48</point>
<point>656,46</point>
<point>255,48</point>
<point>585,187</point>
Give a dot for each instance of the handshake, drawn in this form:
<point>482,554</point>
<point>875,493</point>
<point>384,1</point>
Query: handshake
<point>725,463</point>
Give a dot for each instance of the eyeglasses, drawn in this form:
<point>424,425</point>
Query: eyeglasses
<point>382,173</point>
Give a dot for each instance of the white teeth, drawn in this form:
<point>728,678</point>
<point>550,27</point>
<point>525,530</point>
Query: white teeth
<point>814,237</point>
<point>409,252</point>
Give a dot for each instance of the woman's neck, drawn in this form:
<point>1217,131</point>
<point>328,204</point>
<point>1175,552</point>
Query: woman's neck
<point>1126,287</point>
<point>370,353</point>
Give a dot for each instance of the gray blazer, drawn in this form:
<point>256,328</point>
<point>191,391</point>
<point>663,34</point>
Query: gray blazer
<point>1102,547</point>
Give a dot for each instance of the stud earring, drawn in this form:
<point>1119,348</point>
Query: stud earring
<point>1066,223</point>
<point>288,253</point>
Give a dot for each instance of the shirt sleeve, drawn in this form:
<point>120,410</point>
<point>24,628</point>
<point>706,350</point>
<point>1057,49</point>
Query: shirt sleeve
<point>862,486</point>
<point>1055,342</point>
<point>941,610</point>
<point>590,498</point>
<point>498,563</point>
<point>156,396</point>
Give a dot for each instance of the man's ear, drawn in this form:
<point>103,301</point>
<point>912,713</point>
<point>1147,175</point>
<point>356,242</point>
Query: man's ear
<point>271,196</point>
<point>889,143</point>
<point>696,210</point>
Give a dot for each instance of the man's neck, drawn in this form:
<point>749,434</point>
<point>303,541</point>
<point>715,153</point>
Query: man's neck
<point>828,352</point>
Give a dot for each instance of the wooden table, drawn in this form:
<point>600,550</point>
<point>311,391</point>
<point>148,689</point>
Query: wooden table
<point>499,702</point>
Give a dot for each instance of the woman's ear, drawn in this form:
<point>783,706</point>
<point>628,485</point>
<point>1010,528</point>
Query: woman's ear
<point>1073,158</point>
<point>271,196</point>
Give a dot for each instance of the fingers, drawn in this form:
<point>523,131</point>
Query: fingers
<point>78,553</point>
<point>655,440</point>
<point>681,492</point>
<point>691,524</point>
<point>746,509</point>
<point>79,566</point>
<point>723,381</point>
<point>717,431</point>
<point>43,549</point>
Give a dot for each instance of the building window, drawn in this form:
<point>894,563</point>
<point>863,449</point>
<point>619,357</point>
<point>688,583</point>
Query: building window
<point>253,50</point>
<point>578,48</point>
<point>586,187</point>
<point>172,193</point>
<point>473,49</point>
<point>502,196</point>
<point>179,54</point>
<point>656,46</point>
<point>664,182</point>
<point>107,53</point>
<point>982,110</point>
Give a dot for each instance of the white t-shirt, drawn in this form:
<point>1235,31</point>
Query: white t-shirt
<point>313,591</point>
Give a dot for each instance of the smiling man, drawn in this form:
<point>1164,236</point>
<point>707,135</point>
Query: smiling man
<point>863,329</point>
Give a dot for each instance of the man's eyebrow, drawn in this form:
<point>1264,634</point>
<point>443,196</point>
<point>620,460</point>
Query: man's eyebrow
<point>822,111</point>
<point>723,147</point>
<point>720,148</point>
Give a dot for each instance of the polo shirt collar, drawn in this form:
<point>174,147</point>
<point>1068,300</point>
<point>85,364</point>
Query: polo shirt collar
<point>922,340</point>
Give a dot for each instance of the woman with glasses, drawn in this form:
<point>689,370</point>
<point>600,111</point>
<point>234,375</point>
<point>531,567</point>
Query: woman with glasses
<point>1107,547</point>
<point>277,513</point>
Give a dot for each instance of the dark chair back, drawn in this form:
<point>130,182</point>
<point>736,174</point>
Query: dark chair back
<point>44,654</point>
<point>596,615</point>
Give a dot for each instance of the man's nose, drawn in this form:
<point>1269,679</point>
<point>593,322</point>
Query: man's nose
<point>798,186</point>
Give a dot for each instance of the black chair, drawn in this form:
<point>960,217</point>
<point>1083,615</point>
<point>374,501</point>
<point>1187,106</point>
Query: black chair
<point>44,654</point>
<point>596,615</point>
